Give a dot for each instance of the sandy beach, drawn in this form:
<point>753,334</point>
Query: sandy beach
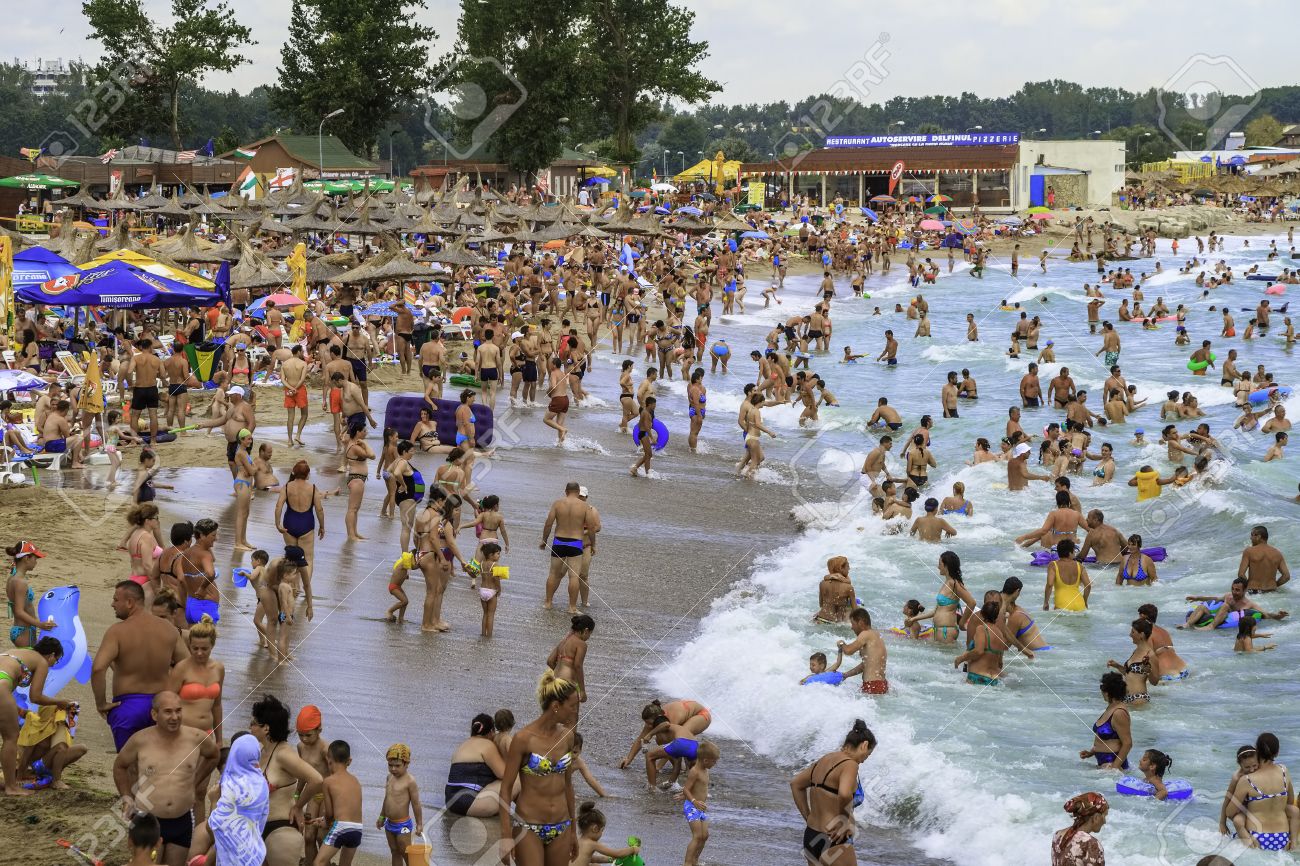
<point>666,553</point>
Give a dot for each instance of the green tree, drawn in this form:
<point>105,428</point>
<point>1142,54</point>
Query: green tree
<point>639,52</point>
<point>368,57</point>
<point>732,148</point>
<point>159,60</point>
<point>1263,131</point>
<point>684,133</point>
<point>511,77</point>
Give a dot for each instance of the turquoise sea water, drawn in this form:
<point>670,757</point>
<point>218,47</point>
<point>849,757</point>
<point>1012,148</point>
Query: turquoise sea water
<point>974,775</point>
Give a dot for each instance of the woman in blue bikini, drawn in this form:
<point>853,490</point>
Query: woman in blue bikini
<point>1136,569</point>
<point>947,601</point>
<point>1112,735</point>
<point>21,598</point>
<point>541,759</point>
<point>1024,632</point>
<point>1262,819</point>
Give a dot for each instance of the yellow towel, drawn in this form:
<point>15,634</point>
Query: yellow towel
<point>50,721</point>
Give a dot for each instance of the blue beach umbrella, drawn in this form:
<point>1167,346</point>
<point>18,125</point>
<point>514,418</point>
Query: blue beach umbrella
<point>37,265</point>
<point>870,214</point>
<point>687,209</point>
<point>117,284</point>
<point>20,380</point>
<point>755,235</point>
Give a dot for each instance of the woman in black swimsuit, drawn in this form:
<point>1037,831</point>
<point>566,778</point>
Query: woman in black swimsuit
<point>284,771</point>
<point>826,792</point>
<point>356,453</point>
<point>300,510</point>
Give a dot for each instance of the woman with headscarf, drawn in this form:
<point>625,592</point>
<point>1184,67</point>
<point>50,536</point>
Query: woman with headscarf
<point>1076,845</point>
<point>240,815</point>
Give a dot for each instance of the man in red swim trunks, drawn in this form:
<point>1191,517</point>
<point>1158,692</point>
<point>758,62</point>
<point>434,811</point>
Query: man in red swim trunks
<point>871,650</point>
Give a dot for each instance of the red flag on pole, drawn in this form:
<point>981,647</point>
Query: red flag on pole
<point>894,175</point>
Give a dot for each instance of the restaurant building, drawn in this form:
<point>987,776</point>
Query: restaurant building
<point>998,171</point>
<point>561,178</point>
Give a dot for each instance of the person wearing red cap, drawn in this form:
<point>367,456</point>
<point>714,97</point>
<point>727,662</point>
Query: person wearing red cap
<point>311,748</point>
<point>26,627</point>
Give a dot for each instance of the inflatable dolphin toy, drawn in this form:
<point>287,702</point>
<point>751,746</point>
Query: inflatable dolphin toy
<point>61,604</point>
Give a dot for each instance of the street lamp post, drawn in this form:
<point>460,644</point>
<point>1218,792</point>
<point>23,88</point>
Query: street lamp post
<point>976,128</point>
<point>682,154</point>
<point>320,142</point>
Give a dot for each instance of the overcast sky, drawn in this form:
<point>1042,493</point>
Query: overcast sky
<point>767,50</point>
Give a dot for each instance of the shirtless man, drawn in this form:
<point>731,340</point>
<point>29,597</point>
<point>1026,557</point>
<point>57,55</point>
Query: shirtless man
<point>1013,424</point>
<point>359,351</point>
<point>890,353</point>
<point>1018,474</point>
<point>156,772</point>
<point>1169,665</point>
<point>948,395</point>
<point>557,390</point>
<point>1263,564</point>
<point>177,368</point>
<point>405,329</point>
<point>293,377</point>
<point>1103,540</point>
<point>487,360</point>
<point>930,527</point>
<point>569,518</point>
<point>874,466</point>
<point>1061,388</point>
<point>55,435</point>
<point>239,416</point>
<point>142,373</point>
<point>885,416</point>
<point>140,651</point>
<point>433,357</point>
<point>1061,522</point>
<point>1031,390</point>
<point>1278,423</point>
<point>871,650</point>
<point>1234,600</point>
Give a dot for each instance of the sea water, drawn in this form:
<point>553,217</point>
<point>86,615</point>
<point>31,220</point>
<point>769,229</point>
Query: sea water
<point>971,774</point>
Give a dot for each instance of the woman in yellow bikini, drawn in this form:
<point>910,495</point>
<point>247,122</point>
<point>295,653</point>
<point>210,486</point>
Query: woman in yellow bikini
<point>1068,579</point>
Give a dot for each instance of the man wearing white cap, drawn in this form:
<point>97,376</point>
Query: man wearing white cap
<point>239,416</point>
<point>589,530</point>
<point>1018,474</point>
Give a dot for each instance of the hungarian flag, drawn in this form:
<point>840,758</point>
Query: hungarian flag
<point>241,153</point>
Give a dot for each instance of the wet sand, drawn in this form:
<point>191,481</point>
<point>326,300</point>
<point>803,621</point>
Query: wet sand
<point>668,549</point>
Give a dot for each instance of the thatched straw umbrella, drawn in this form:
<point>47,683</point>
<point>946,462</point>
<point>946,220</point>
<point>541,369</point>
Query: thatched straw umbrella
<point>457,256</point>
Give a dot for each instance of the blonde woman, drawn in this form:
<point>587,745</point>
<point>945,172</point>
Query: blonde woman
<point>198,680</point>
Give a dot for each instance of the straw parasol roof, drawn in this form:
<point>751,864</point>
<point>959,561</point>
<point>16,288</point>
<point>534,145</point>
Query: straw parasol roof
<point>20,242</point>
<point>391,265</point>
<point>185,248</point>
<point>327,269</point>
<point>729,222</point>
<point>283,252</point>
<point>82,199</point>
<point>171,209</point>
<point>66,242</point>
<point>690,224</point>
<point>256,271</point>
<point>457,255</point>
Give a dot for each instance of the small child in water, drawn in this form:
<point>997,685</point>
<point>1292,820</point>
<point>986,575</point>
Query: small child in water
<point>401,802</point>
<point>912,608</point>
<point>341,809</point>
<point>591,825</point>
<point>1138,438</point>
<point>1153,765</point>
<point>580,766</point>
<point>143,836</point>
<point>817,665</point>
<point>1245,642</point>
<point>694,797</point>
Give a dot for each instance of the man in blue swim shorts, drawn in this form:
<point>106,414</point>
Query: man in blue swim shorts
<point>572,519</point>
<point>140,650</point>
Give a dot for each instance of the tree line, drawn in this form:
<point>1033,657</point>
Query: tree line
<point>525,82</point>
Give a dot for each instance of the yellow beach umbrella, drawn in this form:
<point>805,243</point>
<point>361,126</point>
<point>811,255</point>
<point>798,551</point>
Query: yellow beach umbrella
<point>156,268</point>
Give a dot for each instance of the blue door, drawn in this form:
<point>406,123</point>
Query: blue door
<point>1037,195</point>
